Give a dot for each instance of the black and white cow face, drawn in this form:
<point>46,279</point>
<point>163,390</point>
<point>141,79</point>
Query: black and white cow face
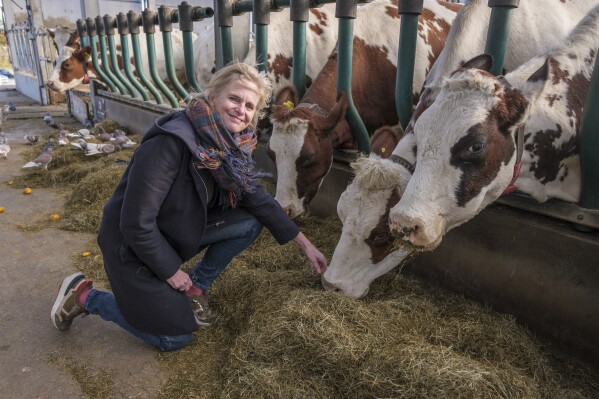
<point>466,155</point>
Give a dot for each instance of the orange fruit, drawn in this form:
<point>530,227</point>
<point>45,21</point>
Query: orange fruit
<point>1,209</point>
<point>27,190</point>
<point>86,253</point>
<point>55,217</point>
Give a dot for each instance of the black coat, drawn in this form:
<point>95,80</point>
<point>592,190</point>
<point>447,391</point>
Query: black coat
<point>155,221</point>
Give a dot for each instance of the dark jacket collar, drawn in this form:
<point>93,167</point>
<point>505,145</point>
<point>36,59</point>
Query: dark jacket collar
<point>176,124</point>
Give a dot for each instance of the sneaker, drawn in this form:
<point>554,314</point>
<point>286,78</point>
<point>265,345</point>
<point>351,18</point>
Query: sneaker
<point>201,310</point>
<point>66,306</point>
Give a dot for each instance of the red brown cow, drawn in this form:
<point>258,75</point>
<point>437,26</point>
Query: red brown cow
<point>302,141</point>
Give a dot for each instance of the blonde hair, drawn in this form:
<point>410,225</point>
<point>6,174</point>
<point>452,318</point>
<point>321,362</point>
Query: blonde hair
<point>238,70</point>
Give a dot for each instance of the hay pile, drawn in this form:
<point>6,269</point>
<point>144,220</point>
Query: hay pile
<point>279,335</point>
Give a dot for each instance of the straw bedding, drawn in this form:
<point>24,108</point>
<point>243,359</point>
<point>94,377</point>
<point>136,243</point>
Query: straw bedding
<point>279,335</point>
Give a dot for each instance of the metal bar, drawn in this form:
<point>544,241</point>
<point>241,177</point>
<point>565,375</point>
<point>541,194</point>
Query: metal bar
<point>91,31</point>
<point>299,15</point>
<point>499,30</point>
<point>123,29</point>
<point>82,32</point>
<point>344,74</point>
<point>166,27</point>
<point>149,20</point>
<point>104,56</point>
<point>134,22</point>
<point>409,11</point>
<point>262,20</point>
<point>186,27</point>
<point>589,144</point>
<point>225,22</point>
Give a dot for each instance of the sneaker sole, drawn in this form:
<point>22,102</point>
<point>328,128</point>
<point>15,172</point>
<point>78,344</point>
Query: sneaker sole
<point>66,285</point>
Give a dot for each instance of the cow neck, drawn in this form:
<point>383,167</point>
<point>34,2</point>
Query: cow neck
<point>519,151</point>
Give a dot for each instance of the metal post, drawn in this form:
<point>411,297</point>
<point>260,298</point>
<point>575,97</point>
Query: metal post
<point>123,28</point>
<point>499,30</point>
<point>225,22</point>
<point>589,143</point>
<point>165,22</point>
<point>346,13</point>
<point>186,27</point>
<point>262,20</point>
<point>409,11</point>
<point>149,20</point>
<point>91,31</point>
<point>104,55</point>
<point>82,32</point>
<point>299,15</point>
<point>134,22</point>
<point>36,19</point>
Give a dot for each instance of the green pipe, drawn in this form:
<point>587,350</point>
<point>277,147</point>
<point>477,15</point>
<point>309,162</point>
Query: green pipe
<point>140,71</point>
<point>190,72</point>
<point>299,57</point>
<point>128,71</point>
<point>170,66</point>
<point>108,70</point>
<point>262,47</point>
<point>497,36</point>
<point>154,72</point>
<point>408,33</point>
<point>115,67</point>
<point>226,44</point>
<point>98,68</point>
<point>344,74</point>
<point>589,144</point>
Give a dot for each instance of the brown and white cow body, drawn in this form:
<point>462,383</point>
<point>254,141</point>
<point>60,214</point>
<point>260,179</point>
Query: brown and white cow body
<point>303,153</point>
<point>467,139</point>
<point>353,278</point>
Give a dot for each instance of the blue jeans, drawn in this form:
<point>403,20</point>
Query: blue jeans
<point>224,241</point>
<point>103,304</point>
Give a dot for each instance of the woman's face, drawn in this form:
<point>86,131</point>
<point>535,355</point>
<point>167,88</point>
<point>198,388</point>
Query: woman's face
<point>236,104</point>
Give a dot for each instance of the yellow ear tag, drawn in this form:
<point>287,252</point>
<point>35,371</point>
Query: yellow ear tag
<point>289,104</point>
<point>383,150</point>
<point>87,57</point>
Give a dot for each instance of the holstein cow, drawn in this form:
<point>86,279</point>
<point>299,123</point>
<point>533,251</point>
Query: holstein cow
<point>301,146</point>
<point>354,265</point>
<point>532,30</point>
<point>484,135</point>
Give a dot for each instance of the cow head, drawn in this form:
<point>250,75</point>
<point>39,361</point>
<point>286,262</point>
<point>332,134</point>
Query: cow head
<point>466,153</point>
<point>366,248</point>
<point>72,68</point>
<point>302,149</point>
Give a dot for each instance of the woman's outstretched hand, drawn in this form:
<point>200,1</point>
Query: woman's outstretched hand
<point>318,262</point>
<point>180,281</point>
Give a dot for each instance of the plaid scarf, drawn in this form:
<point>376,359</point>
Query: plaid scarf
<point>231,166</point>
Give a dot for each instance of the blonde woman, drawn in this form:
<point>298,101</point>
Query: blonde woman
<point>189,186</point>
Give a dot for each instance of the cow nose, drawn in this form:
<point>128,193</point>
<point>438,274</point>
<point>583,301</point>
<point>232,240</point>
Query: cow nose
<point>328,286</point>
<point>49,83</point>
<point>404,227</point>
<point>291,211</point>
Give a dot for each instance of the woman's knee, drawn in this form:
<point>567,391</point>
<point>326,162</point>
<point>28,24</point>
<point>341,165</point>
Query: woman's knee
<point>170,343</point>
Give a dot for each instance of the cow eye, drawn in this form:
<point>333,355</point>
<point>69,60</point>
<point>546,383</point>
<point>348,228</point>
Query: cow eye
<point>476,148</point>
<point>476,151</point>
<point>308,159</point>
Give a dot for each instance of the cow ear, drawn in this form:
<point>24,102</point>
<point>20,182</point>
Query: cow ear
<point>285,95</point>
<point>87,53</point>
<point>384,140</point>
<point>483,61</point>
<point>537,80</point>
<point>325,124</point>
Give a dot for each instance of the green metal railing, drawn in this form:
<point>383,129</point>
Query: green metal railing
<point>123,29</point>
<point>589,143</point>
<point>499,30</point>
<point>91,32</point>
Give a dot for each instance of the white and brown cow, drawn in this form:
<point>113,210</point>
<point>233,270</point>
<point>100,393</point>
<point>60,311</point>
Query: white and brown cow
<point>366,249</point>
<point>301,149</point>
<point>468,143</point>
<point>357,262</point>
